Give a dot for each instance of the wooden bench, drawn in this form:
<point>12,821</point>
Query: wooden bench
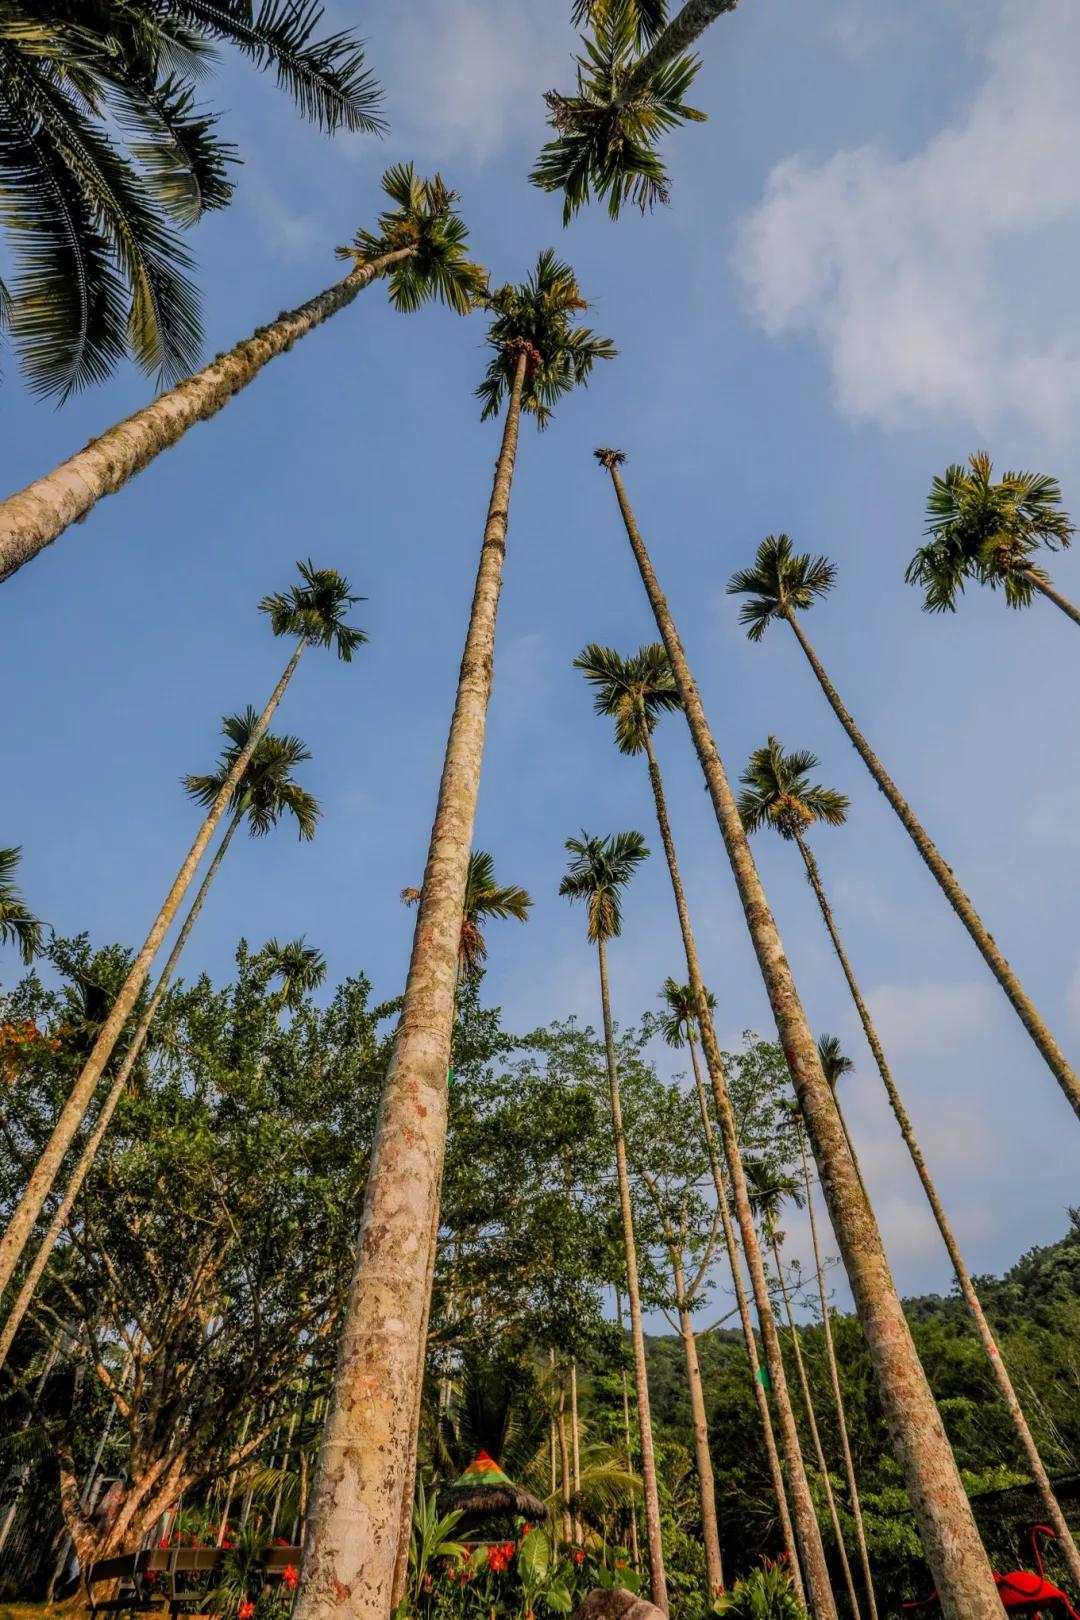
<point>163,1577</point>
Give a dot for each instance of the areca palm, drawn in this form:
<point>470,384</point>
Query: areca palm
<point>779,794</point>
<point>264,793</point>
<point>600,870</point>
<point>834,1065</point>
<point>606,133</point>
<point>484,899</point>
<point>103,151</point>
<point>770,1190</point>
<point>301,969</point>
<point>420,246</point>
<point>991,533</point>
<point>18,925</point>
<point>943,1514</point>
<point>780,585</point>
<point>538,354</point>
<point>312,612</point>
<point>634,692</point>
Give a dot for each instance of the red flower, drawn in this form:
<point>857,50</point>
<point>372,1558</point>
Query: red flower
<point>164,1542</point>
<point>245,1610</point>
<point>279,1541</point>
<point>290,1575</point>
<point>579,1556</point>
<point>427,1583</point>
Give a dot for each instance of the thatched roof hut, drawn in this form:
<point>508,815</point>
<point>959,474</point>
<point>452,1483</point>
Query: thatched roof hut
<point>483,1491</point>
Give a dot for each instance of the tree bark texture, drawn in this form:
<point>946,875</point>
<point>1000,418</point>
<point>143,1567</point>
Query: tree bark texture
<point>710,1529</point>
<point>1055,596</point>
<point>687,25</point>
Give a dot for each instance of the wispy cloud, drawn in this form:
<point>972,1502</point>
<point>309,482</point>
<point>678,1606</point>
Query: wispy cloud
<point>931,280</point>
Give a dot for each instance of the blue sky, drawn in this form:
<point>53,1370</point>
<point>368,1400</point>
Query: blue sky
<point>867,270</point>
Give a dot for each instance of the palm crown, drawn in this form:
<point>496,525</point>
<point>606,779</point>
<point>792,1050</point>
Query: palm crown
<point>599,872</point>
<point>679,1019</point>
<point>536,318</point>
<point>606,133</point>
<point>988,532</point>
<point>314,609</point>
<point>300,968</point>
<point>635,691</point>
<point>769,1189</point>
<point>833,1061</point>
<point>18,925</point>
<point>423,218</point>
<point>778,793</point>
<point>484,899</point>
<point>266,791</point>
<point>781,583</point>
<point>648,16</point>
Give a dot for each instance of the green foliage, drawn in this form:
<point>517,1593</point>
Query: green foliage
<point>432,1537</point>
<point>778,794</point>
<point>987,532</point>
<point>18,925</point>
<point>266,790</point>
<point>599,871</point>
<point>314,609</point>
<point>484,899</point>
<point>424,220</point>
<point>766,1594</point>
<point>780,583</point>
<point>634,691</point>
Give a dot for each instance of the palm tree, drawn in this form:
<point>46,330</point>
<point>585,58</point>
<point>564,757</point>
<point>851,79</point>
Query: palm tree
<point>484,898</point>
<point>538,354</point>
<point>600,869</point>
<point>103,149</point>
<point>950,1537</point>
<point>834,1065</point>
<point>420,246</point>
<point>780,584</point>
<point>300,968</point>
<point>635,692</point>
<point>769,1191</point>
<point>679,1027</point>
<point>312,612</point>
<point>264,793</point>
<point>18,925</point>
<point>830,1348</point>
<point>990,533</point>
<point>606,133</point>
<point>778,793</point>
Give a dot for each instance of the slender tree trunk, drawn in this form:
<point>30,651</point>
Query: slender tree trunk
<point>44,1174</point>
<point>807,1529</point>
<point>838,1400</point>
<point>685,27</point>
<point>815,1436</point>
<point>657,1578</point>
<point>756,1373</point>
<point>635,1550</point>
<point>564,1463</point>
<point>108,1108</point>
<point>355,1515</point>
<point>710,1530</point>
<point>579,1532</point>
<point>1023,1006</point>
<point>227,1509</point>
<point>950,1537</point>
<point>1001,1373</point>
<point>554,1435</point>
<point>1055,596</point>
<point>284,1470</point>
<point>37,515</point>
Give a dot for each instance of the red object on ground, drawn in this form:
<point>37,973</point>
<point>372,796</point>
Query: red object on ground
<point>1022,1592</point>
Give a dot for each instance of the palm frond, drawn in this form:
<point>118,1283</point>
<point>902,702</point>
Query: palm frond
<point>314,609</point>
<point>18,925</point>
<point>425,221</point>
<point>600,870</point>
<point>780,582</point>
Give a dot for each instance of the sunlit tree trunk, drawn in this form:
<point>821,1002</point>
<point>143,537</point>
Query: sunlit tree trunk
<point>43,1177</point>
<point>807,1530</point>
<point>657,1578</point>
<point>950,1537</point>
<point>38,514</point>
<point>356,1503</point>
<point>1050,1503</point>
<point>564,1462</point>
<point>579,1533</point>
<point>710,1530</point>
<point>1023,1006</point>
<point>1044,587</point>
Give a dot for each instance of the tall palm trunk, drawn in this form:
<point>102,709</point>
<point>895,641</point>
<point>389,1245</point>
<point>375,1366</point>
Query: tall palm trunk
<point>564,1462</point>
<point>223,1527</point>
<point>285,1453</point>
<point>1023,1006</point>
<point>657,1577</point>
<point>815,1436</point>
<point>635,1551</point>
<point>963,1276</point>
<point>108,1107</point>
<point>579,1529</point>
<point>807,1529</point>
<point>554,1436</point>
<point>756,1373</point>
<point>1055,596</point>
<point>44,1174</point>
<point>949,1533</point>
<point>356,1499</point>
<point>38,514</point>
<point>834,1378</point>
<point>710,1530</point>
<point>688,24</point>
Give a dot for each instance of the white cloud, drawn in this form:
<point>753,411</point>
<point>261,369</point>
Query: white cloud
<point>928,1020</point>
<point>471,74</point>
<point>933,280</point>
